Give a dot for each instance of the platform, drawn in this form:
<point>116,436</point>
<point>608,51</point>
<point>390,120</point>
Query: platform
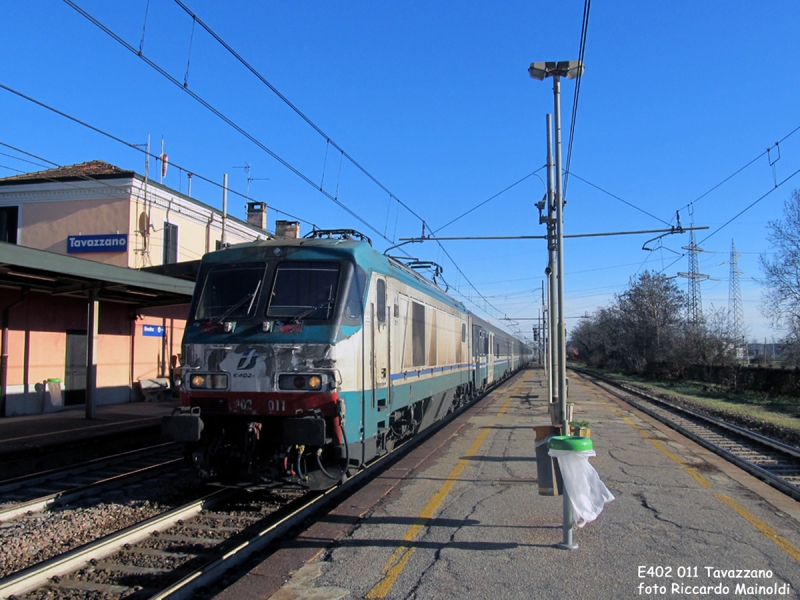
<point>37,433</point>
<point>461,517</point>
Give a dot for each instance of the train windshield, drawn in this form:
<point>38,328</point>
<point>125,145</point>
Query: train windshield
<point>230,292</point>
<point>304,290</point>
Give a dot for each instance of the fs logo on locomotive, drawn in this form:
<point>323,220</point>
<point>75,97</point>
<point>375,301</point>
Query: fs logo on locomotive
<point>243,364</point>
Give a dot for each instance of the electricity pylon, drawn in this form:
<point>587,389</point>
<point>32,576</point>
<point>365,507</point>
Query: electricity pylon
<point>695,308</point>
<point>735,312</point>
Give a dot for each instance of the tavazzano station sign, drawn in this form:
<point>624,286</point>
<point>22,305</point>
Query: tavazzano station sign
<point>112,242</point>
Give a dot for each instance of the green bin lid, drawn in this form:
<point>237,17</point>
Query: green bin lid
<point>576,443</point>
<point>53,380</point>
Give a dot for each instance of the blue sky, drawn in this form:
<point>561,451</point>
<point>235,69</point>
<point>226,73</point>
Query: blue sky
<point>433,99</point>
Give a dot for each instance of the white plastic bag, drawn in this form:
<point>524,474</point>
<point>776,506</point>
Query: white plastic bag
<point>587,494</point>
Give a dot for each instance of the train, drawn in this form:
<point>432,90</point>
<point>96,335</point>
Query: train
<point>304,359</point>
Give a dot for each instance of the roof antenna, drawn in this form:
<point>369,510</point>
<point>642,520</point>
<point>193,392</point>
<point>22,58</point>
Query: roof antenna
<point>247,169</point>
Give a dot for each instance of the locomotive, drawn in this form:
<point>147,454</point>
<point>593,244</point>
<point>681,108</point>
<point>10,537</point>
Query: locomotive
<point>304,359</point>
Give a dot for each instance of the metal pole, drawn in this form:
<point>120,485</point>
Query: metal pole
<point>224,207</point>
<point>541,331</point>
<point>567,542</point>
<point>93,323</point>
<point>548,349</point>
<point>551,266</point>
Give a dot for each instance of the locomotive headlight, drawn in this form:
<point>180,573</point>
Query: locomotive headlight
<point>311,382</point>
<point>218,382</point>
<point>209,381</point>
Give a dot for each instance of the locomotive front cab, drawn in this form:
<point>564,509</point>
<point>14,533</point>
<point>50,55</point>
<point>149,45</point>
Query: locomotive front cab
<point>260,387</point>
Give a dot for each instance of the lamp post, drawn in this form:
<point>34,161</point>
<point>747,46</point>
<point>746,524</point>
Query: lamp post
<point>571,69</point>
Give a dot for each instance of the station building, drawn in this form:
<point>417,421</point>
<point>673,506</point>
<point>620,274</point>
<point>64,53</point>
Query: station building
<point>97,266</point>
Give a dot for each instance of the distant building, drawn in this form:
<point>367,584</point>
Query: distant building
<point>56,226</point>
<point>764,353</point>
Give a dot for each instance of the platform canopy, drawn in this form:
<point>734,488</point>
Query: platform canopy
<point>60,275</point>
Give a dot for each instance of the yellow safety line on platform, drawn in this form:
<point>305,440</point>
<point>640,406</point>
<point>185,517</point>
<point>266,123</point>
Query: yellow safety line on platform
<point>768,531</point>
<point>779,541</point>
<point>657,443</point>
<point>661,447</point>
<point>397,562</point>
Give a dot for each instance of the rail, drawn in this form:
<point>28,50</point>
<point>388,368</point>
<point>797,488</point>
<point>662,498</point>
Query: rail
<point>770,460</point>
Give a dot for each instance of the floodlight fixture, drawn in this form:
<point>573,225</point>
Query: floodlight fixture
<point>571,69</point>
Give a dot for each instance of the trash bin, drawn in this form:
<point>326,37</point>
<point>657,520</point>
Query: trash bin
<point>587,494</point>
<point>547,471</point>
<point>54,392</point>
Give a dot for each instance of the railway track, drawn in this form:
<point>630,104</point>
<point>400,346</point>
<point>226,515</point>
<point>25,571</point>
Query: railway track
<point>40,491</point>
<point>178,553</point>
<point>168,555</point>
<point>770,460</point>
<point>181,551</point>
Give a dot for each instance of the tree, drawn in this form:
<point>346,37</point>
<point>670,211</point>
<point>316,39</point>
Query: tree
<point>710,342</point>
<point>653,312</point>
<point>781,300</point>
<point>640,329</point>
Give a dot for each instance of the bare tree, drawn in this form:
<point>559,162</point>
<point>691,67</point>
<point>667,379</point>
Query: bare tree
<point>710,342</point>
<point>781,300</point>
<point>641,329</point>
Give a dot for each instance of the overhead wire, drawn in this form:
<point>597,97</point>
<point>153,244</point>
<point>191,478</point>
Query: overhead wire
<point>488,199</point>
<point>30,162</point>
<point>748,207</point>
<point>736,216</point>
<point>597,187</point>
<point>732,175</point>
<point>581,53</point>
<point>138,148</point>
<point>144,25</point>
<point>29,154</point>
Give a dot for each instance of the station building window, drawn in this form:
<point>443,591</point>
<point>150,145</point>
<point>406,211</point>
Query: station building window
<point>9,219</point>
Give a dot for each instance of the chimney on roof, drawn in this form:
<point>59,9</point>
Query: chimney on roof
<point>287,229</point>
<point>257,214</point>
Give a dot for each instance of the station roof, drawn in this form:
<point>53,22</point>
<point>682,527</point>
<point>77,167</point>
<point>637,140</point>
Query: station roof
<point>94,169</point>
<point>60,275</point>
